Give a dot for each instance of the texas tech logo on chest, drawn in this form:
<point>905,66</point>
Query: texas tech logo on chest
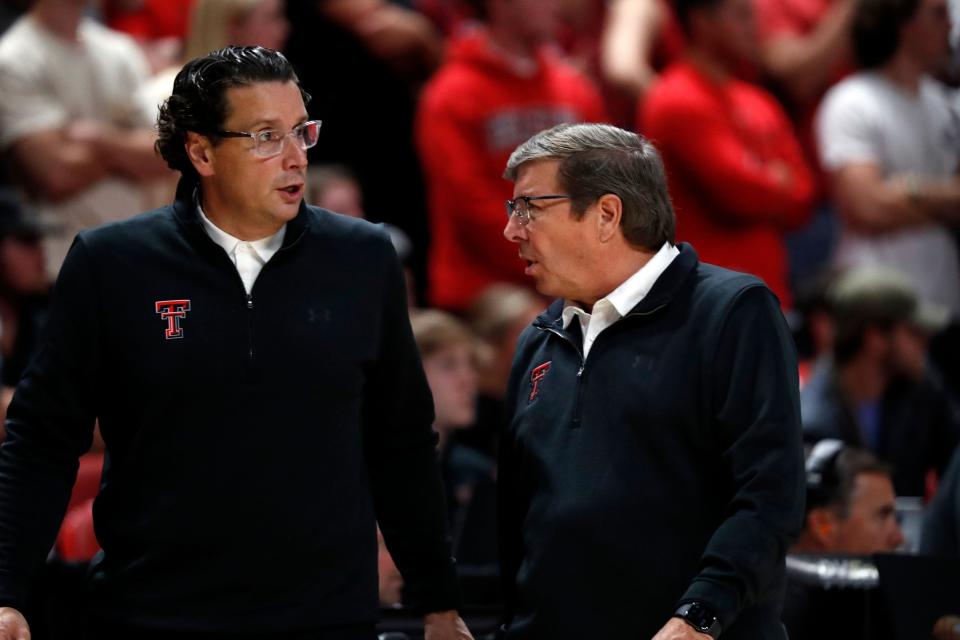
<point>536,377</point>
<point>173,311</point>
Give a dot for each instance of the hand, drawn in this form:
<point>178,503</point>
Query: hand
<point>13,626</point>
<point>442,625</point>
<point>402,38</point>
<point>677,629</point>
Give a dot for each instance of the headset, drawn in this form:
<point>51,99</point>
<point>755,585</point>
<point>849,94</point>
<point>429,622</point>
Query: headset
<point>821,467</point>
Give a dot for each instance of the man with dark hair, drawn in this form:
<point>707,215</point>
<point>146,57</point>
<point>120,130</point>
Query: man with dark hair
<point>851,507</point>
<point>651,474</point>
<point>257,387</point>
<point>736,169</point>
<point>889,138</point>
<point>851,510</point>
<point>877,391</point>
<point>501,83</point>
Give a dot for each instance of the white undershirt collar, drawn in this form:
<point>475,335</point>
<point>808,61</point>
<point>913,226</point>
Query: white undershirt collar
<point>607,310</point>
<point>248,256</point>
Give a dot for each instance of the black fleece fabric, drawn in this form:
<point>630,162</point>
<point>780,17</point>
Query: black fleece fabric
<point>251,441</point>
<point>666,468</point>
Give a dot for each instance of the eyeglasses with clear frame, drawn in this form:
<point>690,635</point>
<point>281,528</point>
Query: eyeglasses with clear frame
<point>520,207</point>
<point>271,142</point>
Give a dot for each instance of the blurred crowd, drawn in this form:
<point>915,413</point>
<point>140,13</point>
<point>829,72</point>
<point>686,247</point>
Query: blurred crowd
<point>813,143</point>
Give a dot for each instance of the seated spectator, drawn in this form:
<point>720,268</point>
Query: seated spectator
<point>335,188</point>
<point>877,391</point>
<point>890,138</point>
<point>850,503</point>
<point>499,85</point>
<point>449,353</point>
<point>851,510</point>
<point>498,317</point>
<point>76,137</point>
<point>737,174</point>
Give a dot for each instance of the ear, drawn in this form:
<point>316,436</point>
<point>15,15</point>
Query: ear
<point>200,152</point>
<point>609,214</point>
<point>822,525</point>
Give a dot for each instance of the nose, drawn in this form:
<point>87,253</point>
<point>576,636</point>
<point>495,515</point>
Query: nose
<point>514,231</point>
<point>294,156</point>
<point>896,536</point>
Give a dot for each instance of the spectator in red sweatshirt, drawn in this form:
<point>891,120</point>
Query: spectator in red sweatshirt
<point>499,85</point>
<point>737,174</point>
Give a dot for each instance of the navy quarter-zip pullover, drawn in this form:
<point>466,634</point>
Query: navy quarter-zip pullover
<point>252,439</point>
<point>665,468</point>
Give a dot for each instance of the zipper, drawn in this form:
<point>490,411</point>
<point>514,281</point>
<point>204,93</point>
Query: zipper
<point>578,397</point>
<point>251,361</point>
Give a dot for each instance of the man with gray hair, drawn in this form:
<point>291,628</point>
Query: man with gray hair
<point>652,473</point>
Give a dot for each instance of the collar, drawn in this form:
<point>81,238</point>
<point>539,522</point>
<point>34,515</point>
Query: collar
<point>187,214</point>
<point>264,248</point>
<point>668,285</point>
<point>633,290</point>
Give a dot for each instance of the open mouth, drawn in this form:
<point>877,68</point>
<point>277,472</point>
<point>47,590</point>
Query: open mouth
<point>292,189</point>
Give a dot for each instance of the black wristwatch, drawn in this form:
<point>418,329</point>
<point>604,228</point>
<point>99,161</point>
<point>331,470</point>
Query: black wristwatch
<point>698,616</point>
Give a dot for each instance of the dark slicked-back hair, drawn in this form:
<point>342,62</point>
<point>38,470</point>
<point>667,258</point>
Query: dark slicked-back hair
<point>876,29</point>
<point>199,99</point>
<point>597,159</point>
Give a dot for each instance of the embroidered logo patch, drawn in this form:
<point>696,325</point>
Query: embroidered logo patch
<point>172,311</point>
<point>536,376</point>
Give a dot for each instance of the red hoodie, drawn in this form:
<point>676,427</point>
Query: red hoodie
<point>473,113</point>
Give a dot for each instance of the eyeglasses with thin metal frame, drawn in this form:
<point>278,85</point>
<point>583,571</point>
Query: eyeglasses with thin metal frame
<point>520,206</point>
<point>270,142</point>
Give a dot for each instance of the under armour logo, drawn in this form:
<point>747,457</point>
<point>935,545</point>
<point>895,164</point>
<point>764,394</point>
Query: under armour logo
<point>535,377</point>
<point>172,311</point>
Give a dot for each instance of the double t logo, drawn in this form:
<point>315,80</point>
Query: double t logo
<point>172,311</point>
<point>538,373</point>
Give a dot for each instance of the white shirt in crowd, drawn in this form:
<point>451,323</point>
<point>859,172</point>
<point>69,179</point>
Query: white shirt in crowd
<point>48,83</point>
<point>868,118</point>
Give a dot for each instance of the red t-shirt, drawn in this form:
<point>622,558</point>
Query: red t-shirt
<point>726,148</point>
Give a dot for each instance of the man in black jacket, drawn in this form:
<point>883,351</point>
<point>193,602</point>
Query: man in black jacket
<point>652,473</point>
<point>257,386</point>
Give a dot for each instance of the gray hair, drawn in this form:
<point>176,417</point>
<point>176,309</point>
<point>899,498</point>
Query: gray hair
<point>599,159</point>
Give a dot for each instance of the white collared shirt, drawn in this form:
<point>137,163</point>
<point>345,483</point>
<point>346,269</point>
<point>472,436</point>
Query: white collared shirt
<point>621,300</point>
<point>248,257</point>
